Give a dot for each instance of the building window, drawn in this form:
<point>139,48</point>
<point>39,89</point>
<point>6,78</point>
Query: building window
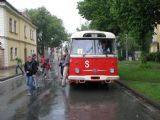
<point>31,52</point>
<point>10,24</point>
<point>31,34</point>
<point>25,31</point>
<point>11,53</point>
<point>16,52</point>
<point>15,26</point>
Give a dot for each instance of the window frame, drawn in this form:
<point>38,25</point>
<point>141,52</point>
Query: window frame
<point>25,31</point>
<point>11,53</point>
<point>16,52</point>
<point>31,34</point>
<point>10,24</point>
<point>95,52</point>
<point>15,26</point>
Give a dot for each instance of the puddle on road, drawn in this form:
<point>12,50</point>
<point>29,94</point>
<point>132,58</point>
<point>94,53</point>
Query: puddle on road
<point>84,102</point>
<point>16,105</point>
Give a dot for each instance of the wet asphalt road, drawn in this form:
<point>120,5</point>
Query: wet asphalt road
<point>83,102</point>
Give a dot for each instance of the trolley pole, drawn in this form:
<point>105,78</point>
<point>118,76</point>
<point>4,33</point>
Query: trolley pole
<point>126,47</point>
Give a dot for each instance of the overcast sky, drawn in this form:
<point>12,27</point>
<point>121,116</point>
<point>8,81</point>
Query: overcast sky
<point>63,9</point>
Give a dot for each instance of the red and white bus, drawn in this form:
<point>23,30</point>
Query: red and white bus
<point>93,57</point>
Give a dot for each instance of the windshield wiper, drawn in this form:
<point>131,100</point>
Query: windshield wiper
<point>88,51</point>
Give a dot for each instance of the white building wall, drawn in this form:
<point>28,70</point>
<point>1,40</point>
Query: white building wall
<point>3,34</point>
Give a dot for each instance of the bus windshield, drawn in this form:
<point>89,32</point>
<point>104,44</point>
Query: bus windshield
<point>93,46</point>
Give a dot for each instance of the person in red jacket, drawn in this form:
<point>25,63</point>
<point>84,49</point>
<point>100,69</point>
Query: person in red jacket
<point>47,68</point>
<point>42,61</point>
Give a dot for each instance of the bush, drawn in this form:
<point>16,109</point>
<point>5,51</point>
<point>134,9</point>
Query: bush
<point>145,66</point>
<point>120,58</point>
<point>153,57</point>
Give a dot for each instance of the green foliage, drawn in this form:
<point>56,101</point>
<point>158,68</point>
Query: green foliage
<point>131,42</point>
<point>153,57</point>
<point>150,90</point>
<point>146,81</point>
<point>132,71</point>
<point>50,30</point>
<point>120,58</point>
<point>145,65</point>
<point>84,26</point>
<point>98,12</point>
<point>136,18</point>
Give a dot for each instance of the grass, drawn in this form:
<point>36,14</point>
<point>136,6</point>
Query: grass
<point>145,81</point>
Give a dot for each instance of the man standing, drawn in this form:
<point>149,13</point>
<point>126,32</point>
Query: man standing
<point>29,70</point>
<point>19,65</point>
<point>35,63</point>
<point>66,67</point>
<point>61,64</point>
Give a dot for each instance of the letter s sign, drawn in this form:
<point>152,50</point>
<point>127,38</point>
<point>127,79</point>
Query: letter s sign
<point>86,64</point>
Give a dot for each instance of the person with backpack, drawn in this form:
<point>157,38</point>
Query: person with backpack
<point>18,65</point>
<point>29,68</point>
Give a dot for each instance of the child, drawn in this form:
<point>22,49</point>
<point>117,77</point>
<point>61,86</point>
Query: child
<point>29,70</point>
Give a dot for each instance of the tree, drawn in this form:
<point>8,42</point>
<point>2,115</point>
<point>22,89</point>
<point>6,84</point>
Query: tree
<point>50,30</point>
<point>85,26</point>
<point>97,11</point>
<point>138,17</point>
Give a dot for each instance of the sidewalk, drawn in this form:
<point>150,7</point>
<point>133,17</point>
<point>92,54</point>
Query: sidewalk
<point>8,73</point>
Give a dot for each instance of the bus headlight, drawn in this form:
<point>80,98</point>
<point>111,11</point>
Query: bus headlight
<point>111,70</point>
<point>77,70</point>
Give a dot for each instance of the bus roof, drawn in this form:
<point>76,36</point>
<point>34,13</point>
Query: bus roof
<point>100,34</point>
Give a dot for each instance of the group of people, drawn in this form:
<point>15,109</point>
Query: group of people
<point>31,68</point>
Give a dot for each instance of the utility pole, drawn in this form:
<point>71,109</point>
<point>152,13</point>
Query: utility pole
<point>126,47</point>
<point>121,50</point>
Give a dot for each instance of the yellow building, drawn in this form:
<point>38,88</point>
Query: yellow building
<point>17,35</point>
<point>155,46</point>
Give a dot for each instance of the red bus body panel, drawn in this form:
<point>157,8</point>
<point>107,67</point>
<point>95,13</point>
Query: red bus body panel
<point>95,67</point>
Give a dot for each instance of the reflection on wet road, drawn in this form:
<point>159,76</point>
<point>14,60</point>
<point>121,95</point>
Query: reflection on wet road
<point>83,102</point>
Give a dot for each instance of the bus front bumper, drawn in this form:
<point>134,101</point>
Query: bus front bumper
<point>93,78</point>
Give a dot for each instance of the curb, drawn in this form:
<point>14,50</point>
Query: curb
<point>137,94</point>
<point>6,78</point>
